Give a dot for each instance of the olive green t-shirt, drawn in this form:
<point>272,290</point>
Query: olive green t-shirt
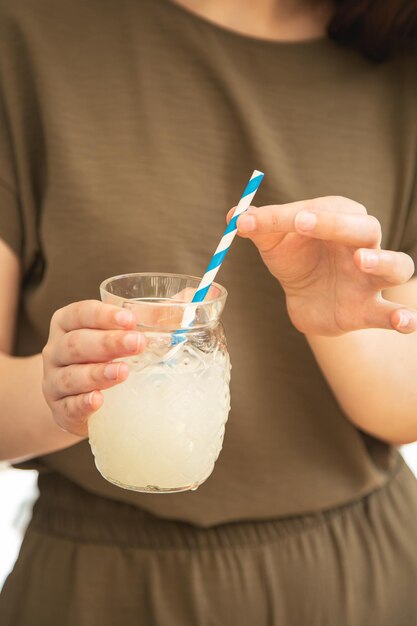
<point>128,128</point>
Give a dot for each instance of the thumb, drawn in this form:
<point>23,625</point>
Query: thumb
<point>247,228</point>
<point>265,242</point>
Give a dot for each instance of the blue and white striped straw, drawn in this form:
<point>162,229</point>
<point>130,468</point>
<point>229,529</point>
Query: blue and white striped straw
<point>224,245</point>
<point>216,260</point>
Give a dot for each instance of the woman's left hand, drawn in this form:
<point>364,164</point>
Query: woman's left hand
<point>326,254</point>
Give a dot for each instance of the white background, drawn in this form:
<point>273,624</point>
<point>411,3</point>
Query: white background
<point>18,491</point>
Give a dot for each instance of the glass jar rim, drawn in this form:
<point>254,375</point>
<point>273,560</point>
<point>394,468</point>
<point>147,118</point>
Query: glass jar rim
<point>172,303</point>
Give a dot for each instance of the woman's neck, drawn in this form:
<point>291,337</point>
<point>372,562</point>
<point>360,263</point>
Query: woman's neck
<point>279,20</point>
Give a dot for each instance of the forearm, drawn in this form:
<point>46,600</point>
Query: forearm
<point>26,424</point>
<point>373,375</point>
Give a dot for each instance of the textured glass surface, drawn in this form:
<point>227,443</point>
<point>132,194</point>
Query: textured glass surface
<point>162,429</point>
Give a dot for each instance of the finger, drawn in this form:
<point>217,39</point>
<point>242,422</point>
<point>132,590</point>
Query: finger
<point>389,315</point>
<point>96,346</point>
<point>232,210</point>
<point>392,268</point>
<point>230,214</point>
<point>71,413</point>
<point>92,314</point>
<point>351,229</point>
<point>404,320</point>
<point>76,379</point>
<point>332,204</point>
<point>266,226</point>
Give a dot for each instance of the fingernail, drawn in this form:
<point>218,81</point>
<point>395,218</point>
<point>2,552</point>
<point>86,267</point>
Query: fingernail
<point>111,371</point>
<point>405,319</point>
<point>88,400</point>
<point>247,223</point>
<point>123,318</point>
<point>131,342</point>
<point>369,260</point>
<point>306,220</point>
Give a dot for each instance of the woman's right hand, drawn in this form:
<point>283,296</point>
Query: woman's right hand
<point>84,339</point>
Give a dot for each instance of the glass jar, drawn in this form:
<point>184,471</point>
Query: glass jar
<point>162,429</point>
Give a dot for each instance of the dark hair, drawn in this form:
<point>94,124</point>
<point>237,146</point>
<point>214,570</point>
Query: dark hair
<point>377,28</point>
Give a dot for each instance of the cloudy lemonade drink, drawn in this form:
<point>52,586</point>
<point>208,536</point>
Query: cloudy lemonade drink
<point>162,429</point>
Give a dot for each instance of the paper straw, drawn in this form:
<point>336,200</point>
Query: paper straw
<point>217,258</point>
<point>228,236</point>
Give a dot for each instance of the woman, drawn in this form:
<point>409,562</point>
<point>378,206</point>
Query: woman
<point>126,129</point>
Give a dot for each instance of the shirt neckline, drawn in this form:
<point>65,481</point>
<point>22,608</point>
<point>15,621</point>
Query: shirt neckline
<point>228,33</point>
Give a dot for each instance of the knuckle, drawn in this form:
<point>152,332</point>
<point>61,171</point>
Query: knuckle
<point>94,307</point>
<point>339,200</point>
<point>112,342</point>
<point>46,352</point>
<point>56,317</point>
<point>344,204</point>
<point>360,208</point>
<point>274,219</point>
<point>339,203</point>
<point>65,380</point>
<point>77,309</point>
<point>51,388</point>
<point>72,346</point>
<point>76,313</point>
<point>71,410</point>
<point>66,409</point>
<point>80,408</point>
<point>95,374</point>
<point>376,228</point>
<point>91,304</point>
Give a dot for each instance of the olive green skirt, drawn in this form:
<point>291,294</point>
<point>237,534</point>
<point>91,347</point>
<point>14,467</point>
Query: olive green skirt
<point>88,561</point>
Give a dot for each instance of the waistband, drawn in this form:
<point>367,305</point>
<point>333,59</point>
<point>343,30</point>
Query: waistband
<point>66,510</point>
